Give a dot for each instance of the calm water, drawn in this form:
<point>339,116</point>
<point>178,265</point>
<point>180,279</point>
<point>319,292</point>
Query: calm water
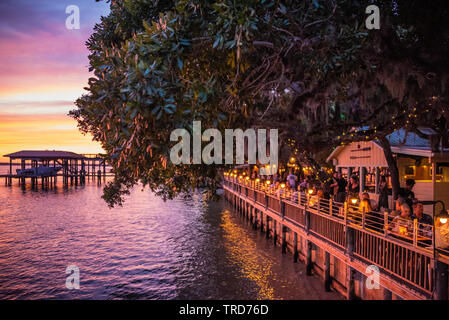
<point>181,249</point>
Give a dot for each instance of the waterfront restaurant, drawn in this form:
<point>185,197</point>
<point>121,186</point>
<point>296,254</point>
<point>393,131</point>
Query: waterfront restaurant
<point>415,160</point>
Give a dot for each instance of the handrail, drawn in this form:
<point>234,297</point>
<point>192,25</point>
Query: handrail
<point>406,255</point>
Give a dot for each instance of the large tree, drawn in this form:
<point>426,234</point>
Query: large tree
<point>309,68</point>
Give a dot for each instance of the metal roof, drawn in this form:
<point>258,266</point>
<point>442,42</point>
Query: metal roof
<point>408,139</point>
<point>45,154</point>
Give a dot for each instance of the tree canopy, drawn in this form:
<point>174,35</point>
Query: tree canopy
<point>309,68</point>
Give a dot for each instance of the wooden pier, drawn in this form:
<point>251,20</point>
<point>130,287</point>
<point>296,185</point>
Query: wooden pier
<point>344,253</point>
<point>75,168</point>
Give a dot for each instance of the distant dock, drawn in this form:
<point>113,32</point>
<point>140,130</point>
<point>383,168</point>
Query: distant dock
<point>47,166</point>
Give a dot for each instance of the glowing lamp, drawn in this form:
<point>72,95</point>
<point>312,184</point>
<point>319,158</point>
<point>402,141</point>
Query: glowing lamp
<point>257,180</point>
<point>292,159</point>
<point>443,217</point>
<point>240,177</point>
<point>310,191</point>
<point>354,200</point>
<point>247,178</point>
<point>282,186</point>
<point>268,182</point>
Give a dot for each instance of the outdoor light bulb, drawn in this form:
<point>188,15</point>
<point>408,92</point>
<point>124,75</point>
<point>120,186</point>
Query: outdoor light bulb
<point>268,182</point>
<point>443,220</point>
<point>247,178</point>
<point>282,186</point>
<point>257,180</point>
<point>354,201</point>
<point>310,191</point>
<point>292,159</point>
<point>240,177</point>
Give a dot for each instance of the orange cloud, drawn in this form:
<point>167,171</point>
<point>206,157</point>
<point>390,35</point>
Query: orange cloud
<point>45,132</point>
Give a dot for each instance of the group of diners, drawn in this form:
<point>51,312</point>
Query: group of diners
<point>400,219</point>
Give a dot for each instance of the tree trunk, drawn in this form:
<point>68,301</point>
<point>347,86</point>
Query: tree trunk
<point>392,166</point>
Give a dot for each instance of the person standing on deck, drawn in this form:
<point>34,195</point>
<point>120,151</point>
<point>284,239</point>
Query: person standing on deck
<point>354,187</point>
<point>341,187</point>
<point>383,193</point>
<point>292,180</point>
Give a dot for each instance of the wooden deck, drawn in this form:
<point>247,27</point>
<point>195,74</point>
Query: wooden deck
<point>340,251</point>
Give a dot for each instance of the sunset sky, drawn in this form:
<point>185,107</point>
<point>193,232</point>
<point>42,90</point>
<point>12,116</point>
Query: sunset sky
<point>43,69</point>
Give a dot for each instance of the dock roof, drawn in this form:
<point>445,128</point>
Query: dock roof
<point>44,154</point>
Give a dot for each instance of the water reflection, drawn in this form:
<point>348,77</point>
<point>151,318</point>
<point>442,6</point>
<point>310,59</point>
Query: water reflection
<point>148,249</point>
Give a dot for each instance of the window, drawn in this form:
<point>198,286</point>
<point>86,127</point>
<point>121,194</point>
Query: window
<point>410,170</point>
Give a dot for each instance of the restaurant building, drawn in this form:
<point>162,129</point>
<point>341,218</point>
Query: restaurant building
<point>415,160</point>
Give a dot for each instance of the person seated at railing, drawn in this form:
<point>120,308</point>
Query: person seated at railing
<point>402,224</point>
<point>373,219</point>
<point>425,222</point>
<point>316,196</point>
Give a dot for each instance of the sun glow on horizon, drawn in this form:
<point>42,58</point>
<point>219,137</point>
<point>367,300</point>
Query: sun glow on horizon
<point>43,70</point>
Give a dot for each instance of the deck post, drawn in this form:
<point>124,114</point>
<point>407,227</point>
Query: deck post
<point>350,289</point>
<point>267,234</point>
<point>362,179</point>
<point>349,241</point>
<point>255,220</point>
<point>377,180</point>
<point>10,171</point>
<point>261,221</point>
<point>327,271</point>
<point>441,280</point>
<point>387,294</point>
<point>284,239</point>
<point>307,212</point>
<point>275,235</point>
<point>295,247</point>
<point>309,264</point>
<point>282,208</point>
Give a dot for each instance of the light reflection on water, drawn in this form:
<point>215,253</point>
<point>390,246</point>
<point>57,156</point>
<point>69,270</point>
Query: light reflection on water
<point>148,249</point>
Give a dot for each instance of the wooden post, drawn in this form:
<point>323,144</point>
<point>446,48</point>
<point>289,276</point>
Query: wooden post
<point>377,180</point>
<point>327,271</point>
<point>385,222</point>
<point>284,239</point>
<point>309,264</point>
<point>275,236</point>
<point>362,179</point>
<point>307,212</point>
<point>349,240</point>
<point>363,217</point>
<point>267,234</point>
<point>350,283</point>
<point>415,232</point>
<point>256,220</point>
<point>282,208</point>
<point>387,294</point>
<point>10,171</point>
<point>295,247</point>
<point>261,221</point>
<point>441,280</point>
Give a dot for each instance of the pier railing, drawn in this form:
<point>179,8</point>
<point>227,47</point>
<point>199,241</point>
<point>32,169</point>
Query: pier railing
<point>400,248</point>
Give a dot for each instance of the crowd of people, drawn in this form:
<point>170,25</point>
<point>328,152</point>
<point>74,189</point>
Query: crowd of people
<point>406,208</point>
